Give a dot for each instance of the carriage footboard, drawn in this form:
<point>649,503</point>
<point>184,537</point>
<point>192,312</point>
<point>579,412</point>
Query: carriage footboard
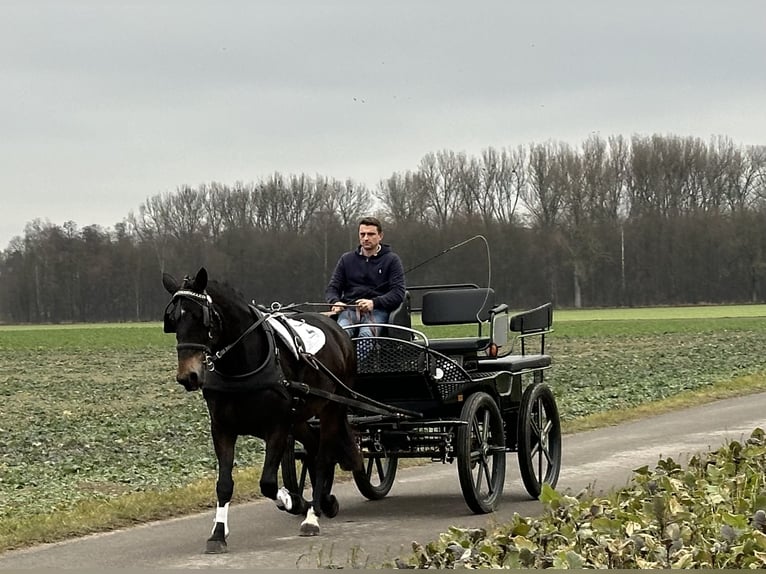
<point>434,439</point>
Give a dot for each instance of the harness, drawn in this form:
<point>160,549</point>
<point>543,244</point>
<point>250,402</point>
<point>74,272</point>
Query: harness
<point>269,373</point>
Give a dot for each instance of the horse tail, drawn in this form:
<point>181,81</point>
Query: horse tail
<point>348,454</point>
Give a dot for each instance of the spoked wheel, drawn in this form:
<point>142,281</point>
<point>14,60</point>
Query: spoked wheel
<point>539,435</point>
<point>377,477</point>
<point>294,469</point>
<point>481,453</point>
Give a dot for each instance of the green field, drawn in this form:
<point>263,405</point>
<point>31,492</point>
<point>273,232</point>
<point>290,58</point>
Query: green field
<point>92,412</point>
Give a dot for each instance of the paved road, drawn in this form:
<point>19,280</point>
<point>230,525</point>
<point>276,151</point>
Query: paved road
<point>423,502</point>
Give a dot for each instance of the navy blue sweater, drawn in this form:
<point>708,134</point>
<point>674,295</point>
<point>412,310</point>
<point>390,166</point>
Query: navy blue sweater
<point>380,278</point>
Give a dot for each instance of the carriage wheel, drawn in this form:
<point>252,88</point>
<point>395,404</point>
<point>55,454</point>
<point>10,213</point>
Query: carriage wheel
<point>294,469</point>
<point>539,435</point>
<point>377,477</point>
<point>481,453</point>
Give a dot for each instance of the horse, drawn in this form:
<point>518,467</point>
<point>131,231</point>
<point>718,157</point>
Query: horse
<point>258,383</point>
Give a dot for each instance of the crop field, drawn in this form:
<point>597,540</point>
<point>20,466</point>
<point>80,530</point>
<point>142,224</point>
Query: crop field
<point>93,411</point>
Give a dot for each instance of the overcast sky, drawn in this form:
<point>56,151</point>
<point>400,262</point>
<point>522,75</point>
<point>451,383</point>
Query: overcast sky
<point>106,103</point>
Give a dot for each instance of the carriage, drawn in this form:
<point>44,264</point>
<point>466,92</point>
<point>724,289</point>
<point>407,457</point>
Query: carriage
<point>468,399</point>
<point>320,397</point>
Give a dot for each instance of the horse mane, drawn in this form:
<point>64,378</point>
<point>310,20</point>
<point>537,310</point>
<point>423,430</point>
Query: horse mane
<point>229,299</point>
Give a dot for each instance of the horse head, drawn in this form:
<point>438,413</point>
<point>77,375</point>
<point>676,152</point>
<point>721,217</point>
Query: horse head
<point>192,316</point>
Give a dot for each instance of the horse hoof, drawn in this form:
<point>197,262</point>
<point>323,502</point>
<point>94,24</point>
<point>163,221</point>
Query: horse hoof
<point>216,547</point>
<point>330,506</point>
<point>308,529</point>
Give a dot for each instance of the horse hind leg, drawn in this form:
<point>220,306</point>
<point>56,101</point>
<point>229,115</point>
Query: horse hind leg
<point>323,501</point>
<point>326,458</point>
<point>329,503</point>
<point>276,448</point>
<point>310,525</point>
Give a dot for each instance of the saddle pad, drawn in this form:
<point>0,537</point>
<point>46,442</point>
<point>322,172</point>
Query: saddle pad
<point>311,338</point>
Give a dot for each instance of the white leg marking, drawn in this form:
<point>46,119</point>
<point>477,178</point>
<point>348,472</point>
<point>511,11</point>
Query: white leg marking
<point>222,515</point>
<point>284,500</point>
<point>310,526</point>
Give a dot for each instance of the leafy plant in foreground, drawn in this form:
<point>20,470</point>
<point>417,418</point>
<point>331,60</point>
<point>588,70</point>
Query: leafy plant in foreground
<point>710,514</point>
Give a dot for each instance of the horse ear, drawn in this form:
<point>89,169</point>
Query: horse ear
<point>200,280</point>
<point>170,283</point>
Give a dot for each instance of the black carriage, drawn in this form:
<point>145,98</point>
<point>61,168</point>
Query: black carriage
<point>468,400</point>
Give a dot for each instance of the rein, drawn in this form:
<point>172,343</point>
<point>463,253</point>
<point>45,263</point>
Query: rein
<point>211,358</point>
<point>245,333</point>
<point>355,400</point>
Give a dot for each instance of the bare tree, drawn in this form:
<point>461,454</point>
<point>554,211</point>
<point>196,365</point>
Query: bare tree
<point>347,199</point>
<point>507,180</point>
<point>541,197</point>
<point>439,181</point>
<point>286,204</point>
<point>402,199</point>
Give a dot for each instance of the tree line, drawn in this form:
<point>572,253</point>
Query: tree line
<point>646,220</point>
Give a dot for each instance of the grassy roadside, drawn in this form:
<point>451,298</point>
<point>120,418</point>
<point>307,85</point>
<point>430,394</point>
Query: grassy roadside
<point>94,435</point>
<point>738,387</point>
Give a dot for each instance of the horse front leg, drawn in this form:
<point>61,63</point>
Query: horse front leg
<point>285,500</point>
<point>310,524</point>
<point>224,488</point>
<point>275,448</point>
<point>322,500</point>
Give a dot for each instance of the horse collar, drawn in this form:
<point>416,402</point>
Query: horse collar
<point>268,373</point>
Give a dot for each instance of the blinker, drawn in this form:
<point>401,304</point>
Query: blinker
<point>171,317</point>
<point>173,314</point>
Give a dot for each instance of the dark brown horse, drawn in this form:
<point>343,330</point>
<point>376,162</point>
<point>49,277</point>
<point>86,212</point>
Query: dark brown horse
<point>255,383</point>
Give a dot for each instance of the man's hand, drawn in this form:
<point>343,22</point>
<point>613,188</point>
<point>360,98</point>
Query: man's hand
<point>364,305</point>
<point>338,308</point>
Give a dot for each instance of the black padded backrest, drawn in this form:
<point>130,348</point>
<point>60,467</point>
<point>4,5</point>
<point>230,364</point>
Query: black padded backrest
<point>457,306</point>
<point>537,319</point>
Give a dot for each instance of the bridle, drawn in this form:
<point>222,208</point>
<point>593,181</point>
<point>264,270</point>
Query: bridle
<point>173,314</point>
<point>210,316</point>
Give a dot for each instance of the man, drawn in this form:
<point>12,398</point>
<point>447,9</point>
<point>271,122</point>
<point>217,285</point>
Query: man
<point>368,283</point>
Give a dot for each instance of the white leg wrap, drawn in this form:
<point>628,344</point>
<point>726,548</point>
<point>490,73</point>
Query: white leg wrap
<point>311,519</point>
<point>284,500</point>
<point>222,515</point>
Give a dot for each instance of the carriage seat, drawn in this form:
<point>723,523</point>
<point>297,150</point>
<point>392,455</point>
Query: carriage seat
<point>458,307</point>
<point>515,363</point>
<point>534,322</point>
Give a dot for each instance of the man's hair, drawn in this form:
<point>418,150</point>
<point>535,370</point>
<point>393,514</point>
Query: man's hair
<point>371,221</point>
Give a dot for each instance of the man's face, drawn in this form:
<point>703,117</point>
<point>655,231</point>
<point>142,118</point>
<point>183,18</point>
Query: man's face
<point>369,238</point>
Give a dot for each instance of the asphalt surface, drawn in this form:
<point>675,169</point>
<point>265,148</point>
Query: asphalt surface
<point>423,502</point>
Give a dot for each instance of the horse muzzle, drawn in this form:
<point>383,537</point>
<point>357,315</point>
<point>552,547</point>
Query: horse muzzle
<point>191,371</point>
<point>189,381</point>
